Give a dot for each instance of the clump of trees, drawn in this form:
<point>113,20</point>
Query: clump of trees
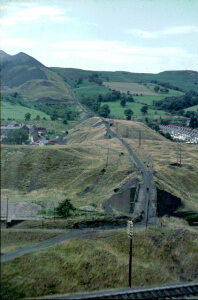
<point>115,96</point>
<point>94,77</point>
<point>177,103</point>
<point>16,137</point>
<point>166,85</point>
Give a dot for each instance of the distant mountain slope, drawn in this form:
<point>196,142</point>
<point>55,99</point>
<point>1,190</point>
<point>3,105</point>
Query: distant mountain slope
<point>23,74</point>
<point>186,79</point>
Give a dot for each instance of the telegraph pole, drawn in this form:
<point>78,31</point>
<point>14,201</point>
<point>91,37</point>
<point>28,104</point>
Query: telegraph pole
<point>130,233</point>
<point>140,137</point>
<point>107,157</point>
<point>177,154</point>
<point>180,153</point>
<point>7,213</point>
<point>147,214</point>
<point>116,127</point>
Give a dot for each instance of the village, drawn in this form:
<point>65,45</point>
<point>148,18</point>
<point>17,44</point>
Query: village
<point>181,133</point>
<point>36,135</point>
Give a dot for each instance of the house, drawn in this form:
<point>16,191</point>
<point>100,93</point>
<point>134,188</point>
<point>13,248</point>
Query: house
<point>42,131</point>
<point>32,130</point>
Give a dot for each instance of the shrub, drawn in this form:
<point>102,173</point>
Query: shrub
<point>64,208</point>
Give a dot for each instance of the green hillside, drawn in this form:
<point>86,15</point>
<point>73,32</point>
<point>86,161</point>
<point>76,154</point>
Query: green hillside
<point>23,74</point>
<point>17,112</point>
<point>186,80</point>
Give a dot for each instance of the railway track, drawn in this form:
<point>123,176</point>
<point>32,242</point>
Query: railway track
<point>171,291</point>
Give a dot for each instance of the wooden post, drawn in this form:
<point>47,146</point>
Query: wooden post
<point>180,153</point>
<point>107,157</point>
<point>130,233</point>
<point>140,137</point>
<point>147,215</point>
<point>177,155</point>
<point>130,262</point>
<point>7,213</point>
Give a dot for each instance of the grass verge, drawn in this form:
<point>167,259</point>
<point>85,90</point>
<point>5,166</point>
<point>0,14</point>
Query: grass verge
<point>101,262</point>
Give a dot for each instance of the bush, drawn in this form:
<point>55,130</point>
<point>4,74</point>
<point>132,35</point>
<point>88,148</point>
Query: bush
<point>64,208</point>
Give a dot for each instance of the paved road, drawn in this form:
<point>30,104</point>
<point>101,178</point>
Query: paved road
<point>74,233</point>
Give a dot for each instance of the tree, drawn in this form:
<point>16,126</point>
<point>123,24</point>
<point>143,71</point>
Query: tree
<point>37,118</point>
<point>104,111</point>
<point>100,98</point>
<point>130,99</point>
<point>194,122</point>
<point>144,109</point>
<point>65,121</point>
<point>123,102</point>
<point>16,136</point>
<point>15,95</point>
<point>156,88</point>
<point>54,116</point>
<point>64,208</point>
<point>27,116</point>
<point>128,113</point>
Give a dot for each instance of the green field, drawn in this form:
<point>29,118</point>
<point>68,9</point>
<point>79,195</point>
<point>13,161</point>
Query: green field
<point>90,89</point>
<point>171,92</point>
<point>118,111</point>
<point>18,112</point>
<point>192,108</point>
<point>147,99</point>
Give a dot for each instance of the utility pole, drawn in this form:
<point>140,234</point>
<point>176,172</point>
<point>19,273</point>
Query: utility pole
<point>116,127</point>
<point>107,157</point>
<point>177,154</point>
<point>140,137</point>
<point>54,212</point>
<point>180,153</point>
<point>7,213</point>
<point>130,233</point>
<point>147,213</point>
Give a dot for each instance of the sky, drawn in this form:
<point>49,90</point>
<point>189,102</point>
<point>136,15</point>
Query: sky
<point>142,36</point>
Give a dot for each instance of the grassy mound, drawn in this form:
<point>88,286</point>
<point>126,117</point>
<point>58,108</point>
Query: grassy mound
<point>102,263</point>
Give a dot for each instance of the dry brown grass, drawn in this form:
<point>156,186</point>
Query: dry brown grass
<point>159,256</point>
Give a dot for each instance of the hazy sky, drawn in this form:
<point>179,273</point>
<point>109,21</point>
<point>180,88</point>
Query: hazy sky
<point>128,35</point>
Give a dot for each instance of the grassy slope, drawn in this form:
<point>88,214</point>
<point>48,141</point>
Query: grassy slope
<point>56,172</point>
<point>183,79</point>
<point>18,112</point>
<point>192,108</point>
<point>13,239</point>
<point>102,263</point>
<point>180,181</point>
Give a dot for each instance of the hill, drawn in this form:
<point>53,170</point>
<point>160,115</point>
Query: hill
<point>25,75</point>
<point>91,168</point>
<point>186,80</point>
